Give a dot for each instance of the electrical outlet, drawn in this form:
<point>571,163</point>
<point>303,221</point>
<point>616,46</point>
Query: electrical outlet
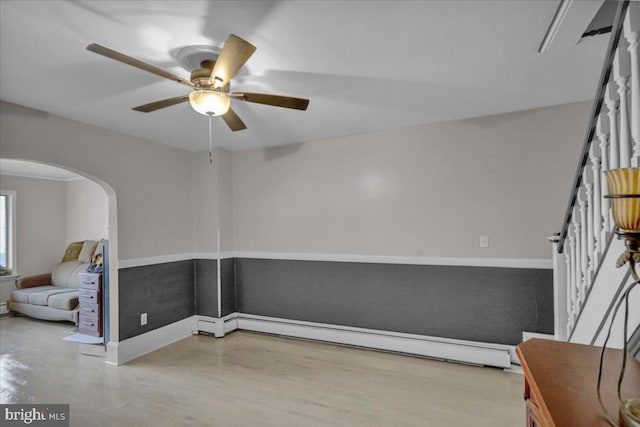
<point>143,319</point>
<point>484,241</point>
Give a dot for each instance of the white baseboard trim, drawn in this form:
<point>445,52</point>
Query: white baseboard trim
<point>514,369</point>
<point>374,259</point>
<point>213,325</point>
<point>132,348</point>
<point>497,355</point>
<point>3,308</point>
<point>440,348</point>
<point>112,353</point>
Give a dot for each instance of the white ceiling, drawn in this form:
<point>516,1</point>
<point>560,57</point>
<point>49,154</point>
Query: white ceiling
<point>365,65</point>
<point>35,170</point>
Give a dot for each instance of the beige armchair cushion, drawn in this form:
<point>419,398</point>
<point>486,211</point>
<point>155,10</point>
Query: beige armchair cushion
<point>22,295</point>
<point>42,297</point>
<point>72,252</point>
<point>88,248</point>
<point>64,300</point>
<point>65,274</point>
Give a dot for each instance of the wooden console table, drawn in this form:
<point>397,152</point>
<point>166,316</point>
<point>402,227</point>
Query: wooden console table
<point>560,383</point>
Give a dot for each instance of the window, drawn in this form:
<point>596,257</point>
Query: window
<point>7,233</point>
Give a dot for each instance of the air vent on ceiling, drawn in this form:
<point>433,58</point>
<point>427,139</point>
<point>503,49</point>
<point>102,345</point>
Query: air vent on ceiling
<point>569,23</point>
<point>602,22</point>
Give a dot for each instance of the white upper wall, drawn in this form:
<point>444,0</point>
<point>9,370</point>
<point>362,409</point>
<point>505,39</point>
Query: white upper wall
<point>428,191</point>
<point>213,201</point>
<point>86,211</point>
<point>153,183</point>
<point>422,191</point>
<point>40,222</point>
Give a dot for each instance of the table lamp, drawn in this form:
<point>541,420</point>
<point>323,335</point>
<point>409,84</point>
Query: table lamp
<point>624,188</point>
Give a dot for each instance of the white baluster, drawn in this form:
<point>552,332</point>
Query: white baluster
<point>597,208</point>
<point>589,224</point>
<point>621,72</point>
<point>584,251</point>
<point>611,100</point>
<point>575,261</point>
<point>631,30</point>
<point>568,247</point>
<point>602,126</point>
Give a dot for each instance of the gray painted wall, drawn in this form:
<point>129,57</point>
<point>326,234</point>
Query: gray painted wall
<point>228,286</point>
<point>206,298</point>
<point>164,291</point>
<point>173,291</point>
<point>483,304</point>
<point>206,287</point>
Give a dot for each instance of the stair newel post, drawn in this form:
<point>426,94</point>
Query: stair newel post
<point>602,127</point>
<point>575,259</point>
<point>611,100</point>
<point>584,251</point>
<point>631,30</point>
<point>621,72</point>
<point>597,209</point>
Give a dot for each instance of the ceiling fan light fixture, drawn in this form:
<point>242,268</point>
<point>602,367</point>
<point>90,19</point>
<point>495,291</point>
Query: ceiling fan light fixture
<point>209,102</point>
<point>211,69</point>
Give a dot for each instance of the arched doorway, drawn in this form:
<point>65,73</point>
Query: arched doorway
<point>32,169</point>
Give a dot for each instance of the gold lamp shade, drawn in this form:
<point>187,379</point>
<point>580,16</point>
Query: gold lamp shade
<point>624,191</point>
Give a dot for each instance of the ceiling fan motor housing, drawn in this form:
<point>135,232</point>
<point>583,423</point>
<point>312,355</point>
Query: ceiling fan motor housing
<point>201,77</point>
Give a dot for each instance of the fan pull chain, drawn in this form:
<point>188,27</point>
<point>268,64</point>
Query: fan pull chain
<point>210,141</point>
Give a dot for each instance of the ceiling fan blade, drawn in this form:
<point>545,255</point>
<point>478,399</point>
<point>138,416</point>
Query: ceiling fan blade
<point>233,121</point>
<point>233,55</point>
<point>147,108</point>
<point>276,100</point>
<point>109,53</point>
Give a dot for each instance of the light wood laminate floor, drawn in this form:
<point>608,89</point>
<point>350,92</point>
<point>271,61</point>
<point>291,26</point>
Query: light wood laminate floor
<point>248,379</point>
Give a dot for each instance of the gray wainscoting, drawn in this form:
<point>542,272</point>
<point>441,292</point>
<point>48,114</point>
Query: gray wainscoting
<point>206,287</point>
<point>164,291</point>
<point>228,286</point>
<point>485,304</point>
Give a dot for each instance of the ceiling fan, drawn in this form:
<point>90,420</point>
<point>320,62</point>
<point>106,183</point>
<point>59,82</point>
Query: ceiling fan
<point>210,83</point>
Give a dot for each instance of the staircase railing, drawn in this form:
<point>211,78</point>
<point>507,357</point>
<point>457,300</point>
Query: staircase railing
<point>612,141</point>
